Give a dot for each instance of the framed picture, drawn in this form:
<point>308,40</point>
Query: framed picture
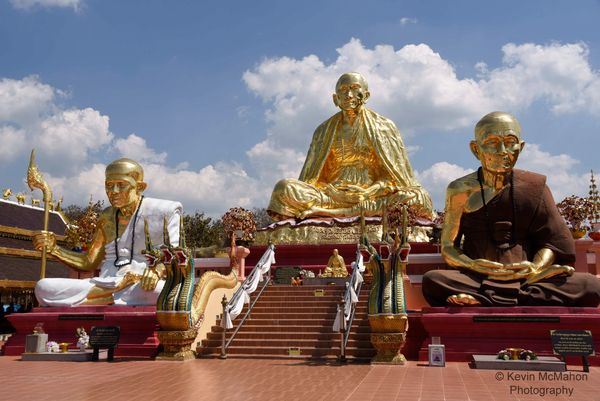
<point>437,355</point>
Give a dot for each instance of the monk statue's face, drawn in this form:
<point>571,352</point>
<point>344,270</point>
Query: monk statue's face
<point>351,92</point>
<point>124,183</point>
<point>121,193</point>
<point>497,142</point>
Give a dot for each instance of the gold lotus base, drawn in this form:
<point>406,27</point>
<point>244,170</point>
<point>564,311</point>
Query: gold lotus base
<point>173,320</point>
<point>177,345</point>
<point>323,235</point>
<point>388,336</point>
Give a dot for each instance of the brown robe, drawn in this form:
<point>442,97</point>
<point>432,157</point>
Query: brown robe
<point>538,224</point>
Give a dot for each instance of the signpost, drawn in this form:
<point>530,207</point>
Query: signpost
<point>104,337</point>
<point>573,343</point>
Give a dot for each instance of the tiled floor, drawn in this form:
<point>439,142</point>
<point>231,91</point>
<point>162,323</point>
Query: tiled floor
<point>286,380</point>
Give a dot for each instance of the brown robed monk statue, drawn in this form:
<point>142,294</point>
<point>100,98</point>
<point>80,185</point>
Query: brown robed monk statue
<point>504,234</point>
<point>355,164</point>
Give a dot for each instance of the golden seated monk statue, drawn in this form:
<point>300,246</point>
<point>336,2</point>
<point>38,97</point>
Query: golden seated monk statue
<point>336,267</point>
<point>116,249</point>
<point>355,164</point>
<point>504,234</point>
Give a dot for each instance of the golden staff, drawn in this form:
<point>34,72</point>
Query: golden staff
<point>35,180</point>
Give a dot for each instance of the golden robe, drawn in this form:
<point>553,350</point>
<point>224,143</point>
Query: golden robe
<point>370,152</point>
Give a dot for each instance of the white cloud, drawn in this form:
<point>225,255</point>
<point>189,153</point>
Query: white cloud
<point>559,74</point>
<point>23,101</point>
<point>413,85</point>
<point>69,136</point>
<point>134,147</point>
<point>407,20</point>
<point>13,143</point>
<point>29,4</point>
<point>436,179</point>
<point>559,170</point>
<point>418,89</point>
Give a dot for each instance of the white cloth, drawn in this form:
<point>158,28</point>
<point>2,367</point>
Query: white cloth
<point>350,296</point>
<point>242,295</point>
<point>72,292</point>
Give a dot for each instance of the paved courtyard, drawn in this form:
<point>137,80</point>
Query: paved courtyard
<point>286,380</point>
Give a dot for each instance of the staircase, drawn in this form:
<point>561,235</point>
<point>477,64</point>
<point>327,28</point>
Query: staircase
<point>286,319</point>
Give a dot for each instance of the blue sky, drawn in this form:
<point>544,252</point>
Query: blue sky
<point>219,99</point>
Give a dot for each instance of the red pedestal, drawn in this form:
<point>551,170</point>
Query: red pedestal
<point>468,331</point>
<point>138,327</point>
<point>315,257</point>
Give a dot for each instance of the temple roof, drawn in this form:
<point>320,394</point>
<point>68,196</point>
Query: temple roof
<point>28,217</point>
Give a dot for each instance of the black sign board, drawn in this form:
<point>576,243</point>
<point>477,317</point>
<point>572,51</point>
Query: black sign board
<point>79,316</point>
<point>104,337</point>
<point>573,343</point>
<point>515,319</point>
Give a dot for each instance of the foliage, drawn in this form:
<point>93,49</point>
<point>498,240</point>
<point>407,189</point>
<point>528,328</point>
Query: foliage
<point>261,217</point>
<point>202,231</point>
<point>415,214</point>
<point>82,224</point>
<point>575,210</point>
<point>239,219</point>
<point>594,198</point>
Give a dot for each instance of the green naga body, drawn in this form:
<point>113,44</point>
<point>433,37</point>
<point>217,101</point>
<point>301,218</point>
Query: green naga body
<point>181,303</point>
<point>387,290</point>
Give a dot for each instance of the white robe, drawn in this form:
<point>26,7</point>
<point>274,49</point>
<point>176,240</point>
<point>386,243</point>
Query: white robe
<point>72,292</point>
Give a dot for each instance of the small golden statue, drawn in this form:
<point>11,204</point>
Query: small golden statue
<point>20,198</point>
<point>504,233</point>
<point>6,194</point>
<point>355,162</point>
<point>336,267</point>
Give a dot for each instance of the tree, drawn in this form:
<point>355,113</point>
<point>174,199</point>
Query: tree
<point>261,217</point>
<point>202,231</point>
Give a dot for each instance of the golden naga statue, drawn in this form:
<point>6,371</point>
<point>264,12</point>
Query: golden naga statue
<point>356,163</point>
<point>336,267</point>
<point>504,234</point>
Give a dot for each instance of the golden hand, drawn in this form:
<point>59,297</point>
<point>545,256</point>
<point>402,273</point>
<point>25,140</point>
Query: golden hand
<point>492,269</point>
<point>345,194</point>
<point>44,238</point>
<point>550,271</point>
<point>150,279</point>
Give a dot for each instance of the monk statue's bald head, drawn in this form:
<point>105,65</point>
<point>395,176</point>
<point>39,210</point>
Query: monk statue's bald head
<point>498,142</point>
<point>351,91</point>
<point>125,169</point>
<point>124,184</point>
<point>498,122</point>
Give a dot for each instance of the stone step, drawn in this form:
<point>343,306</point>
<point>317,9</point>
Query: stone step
<point>333,342</point>
<point>360,308</point>
<point>305,352</point>
<point>357,326</point>
<point>303,304</point>
<point>260,335</point>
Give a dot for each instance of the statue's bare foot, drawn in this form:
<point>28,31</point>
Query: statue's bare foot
<point>462,300</point>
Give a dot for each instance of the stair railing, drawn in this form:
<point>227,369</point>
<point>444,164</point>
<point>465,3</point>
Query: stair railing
<point>232,309</point>
<point>347,307</point>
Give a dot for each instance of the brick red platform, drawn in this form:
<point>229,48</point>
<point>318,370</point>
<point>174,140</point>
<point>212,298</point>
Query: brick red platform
<point>468,331</point>
<point>138,327</point>
<point>315,257</point>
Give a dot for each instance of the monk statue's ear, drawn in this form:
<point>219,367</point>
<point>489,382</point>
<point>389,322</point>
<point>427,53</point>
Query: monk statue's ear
<point>366,96</point>
<point>335,100</point>
<point>474,148</point>
<point>141,186</point>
